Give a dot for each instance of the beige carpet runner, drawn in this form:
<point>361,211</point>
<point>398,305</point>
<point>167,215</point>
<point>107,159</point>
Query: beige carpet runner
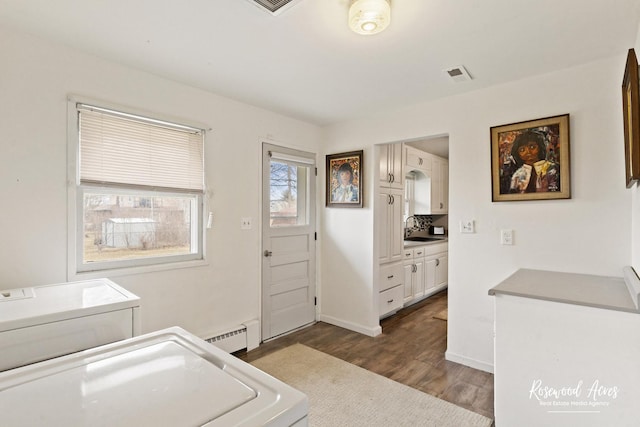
<point>343,394</point>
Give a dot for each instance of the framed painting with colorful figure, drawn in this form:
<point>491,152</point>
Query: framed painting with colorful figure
<point>530,160</point>
<point>344,180</point>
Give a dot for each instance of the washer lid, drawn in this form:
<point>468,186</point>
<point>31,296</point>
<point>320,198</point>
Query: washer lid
<point>162,383</point>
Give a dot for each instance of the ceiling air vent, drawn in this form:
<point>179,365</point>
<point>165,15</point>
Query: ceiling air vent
<point>458,74</point>
<point>274,6</point>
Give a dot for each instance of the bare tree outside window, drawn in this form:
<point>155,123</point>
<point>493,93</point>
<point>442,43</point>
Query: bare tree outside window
<point>287,207</point>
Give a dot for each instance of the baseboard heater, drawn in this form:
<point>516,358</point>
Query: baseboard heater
<point>238,338</point>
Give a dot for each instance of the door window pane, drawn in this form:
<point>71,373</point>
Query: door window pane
<point>288,194</point>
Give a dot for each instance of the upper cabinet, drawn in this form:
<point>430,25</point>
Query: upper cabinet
<point>391,175</point>
<point>426,182</point>
<point>417,159</point>
<point>439,185</point>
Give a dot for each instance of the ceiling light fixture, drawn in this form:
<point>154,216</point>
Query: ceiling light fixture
<point>369,16</point>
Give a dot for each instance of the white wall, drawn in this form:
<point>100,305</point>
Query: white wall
<point>635,214</point>
<point>588,233</point>
<point>35,78</point>
<point>347,298</point>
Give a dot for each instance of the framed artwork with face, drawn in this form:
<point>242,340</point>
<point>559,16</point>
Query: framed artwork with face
<point>631,116</point>
<point>344,180</point>
<point>530,160</point>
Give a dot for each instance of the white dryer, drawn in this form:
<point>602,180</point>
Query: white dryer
<point>165,378</point>
<point>39,323</point>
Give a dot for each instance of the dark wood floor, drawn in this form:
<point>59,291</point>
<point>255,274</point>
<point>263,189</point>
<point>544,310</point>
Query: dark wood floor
<point>410,350</point>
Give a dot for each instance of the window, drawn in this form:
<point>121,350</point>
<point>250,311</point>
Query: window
<point>288,190</point>
<point>409,191</point>
<point>138,193</point>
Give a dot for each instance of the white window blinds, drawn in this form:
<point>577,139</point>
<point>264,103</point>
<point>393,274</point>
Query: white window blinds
<point>122,149</point>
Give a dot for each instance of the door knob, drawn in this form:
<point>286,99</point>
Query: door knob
<point>267,253</point>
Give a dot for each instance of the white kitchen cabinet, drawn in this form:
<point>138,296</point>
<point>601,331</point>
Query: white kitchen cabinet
<point>390,301</point>
<point>436,268</point>
<point>390,229</point>
<point>427,181</point>
<point>413,266</point>
<point>391,175</point>
<point>389,225</point>
<point>436,271</point>
<point>442,270</point>
<point>390,276</point>
<point>417,159</point>
<point>391,287</point>
<point>439,185</point>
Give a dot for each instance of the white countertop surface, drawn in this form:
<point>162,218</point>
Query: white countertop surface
<point>411,243</point>
<point>611,293</point>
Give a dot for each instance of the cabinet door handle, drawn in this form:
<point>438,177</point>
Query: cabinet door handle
<point>389,177</point>
<point>390,277</point>
<point>390,301</point>
<point>393,199</point>
<point>267,253</point>
<point>420,161</point>
<point>441,205</point>
<point>393,177</point>
<point>437,262</point>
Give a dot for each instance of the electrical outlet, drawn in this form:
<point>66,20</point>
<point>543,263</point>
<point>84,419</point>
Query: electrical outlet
<point>506,237</point>
<point>467,226</point>
<point>245,223</point>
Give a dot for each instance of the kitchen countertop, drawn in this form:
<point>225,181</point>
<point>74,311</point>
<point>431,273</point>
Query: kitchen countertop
<point>611,293</point>
<point>411,243</point>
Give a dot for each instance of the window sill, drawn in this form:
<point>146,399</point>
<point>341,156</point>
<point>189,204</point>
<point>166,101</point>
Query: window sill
<point>127,271</point>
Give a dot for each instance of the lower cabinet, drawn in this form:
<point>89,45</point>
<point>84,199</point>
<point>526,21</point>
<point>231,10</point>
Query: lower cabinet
<point>390,300</point>
<point>414,267</point>
<point>426,271</point>
<point>391,287</point>
<point>436,271</point>
<point>422,272</point>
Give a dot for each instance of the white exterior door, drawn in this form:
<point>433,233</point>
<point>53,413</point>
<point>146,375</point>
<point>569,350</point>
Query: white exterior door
<point>288,240</point>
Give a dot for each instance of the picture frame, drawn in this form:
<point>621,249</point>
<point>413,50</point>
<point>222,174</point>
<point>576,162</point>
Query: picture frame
<point>344,175</point>
<point>530,160</point>
<point>631,117</point>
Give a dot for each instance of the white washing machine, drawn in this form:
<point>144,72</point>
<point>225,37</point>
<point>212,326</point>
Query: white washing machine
<point>38,323</point>
<point>165,378</point>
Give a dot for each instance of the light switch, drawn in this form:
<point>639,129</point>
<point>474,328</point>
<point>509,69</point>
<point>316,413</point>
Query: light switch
<point>467,226</point>
<point>245,223</point>
<point>506,237</point>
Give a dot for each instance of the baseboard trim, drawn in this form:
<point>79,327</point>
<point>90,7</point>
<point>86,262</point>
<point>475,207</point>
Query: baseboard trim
<point>372,332</point>
<point>467,361</point>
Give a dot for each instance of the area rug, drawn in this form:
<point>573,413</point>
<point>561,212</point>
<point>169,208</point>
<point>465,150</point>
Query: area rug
<point>442,315</point>
<point>343,394</point>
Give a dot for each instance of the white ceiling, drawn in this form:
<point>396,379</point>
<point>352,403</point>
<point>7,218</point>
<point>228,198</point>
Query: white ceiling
<point>307,64</point>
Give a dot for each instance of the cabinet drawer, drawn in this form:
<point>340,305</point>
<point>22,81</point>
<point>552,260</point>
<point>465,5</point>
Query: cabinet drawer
<point>436,248</point>
<point>418,252</point>
<point>390,275</point>
<point>391,300</point>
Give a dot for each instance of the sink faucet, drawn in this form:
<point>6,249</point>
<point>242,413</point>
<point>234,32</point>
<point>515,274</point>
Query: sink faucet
<point>407,230</point>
